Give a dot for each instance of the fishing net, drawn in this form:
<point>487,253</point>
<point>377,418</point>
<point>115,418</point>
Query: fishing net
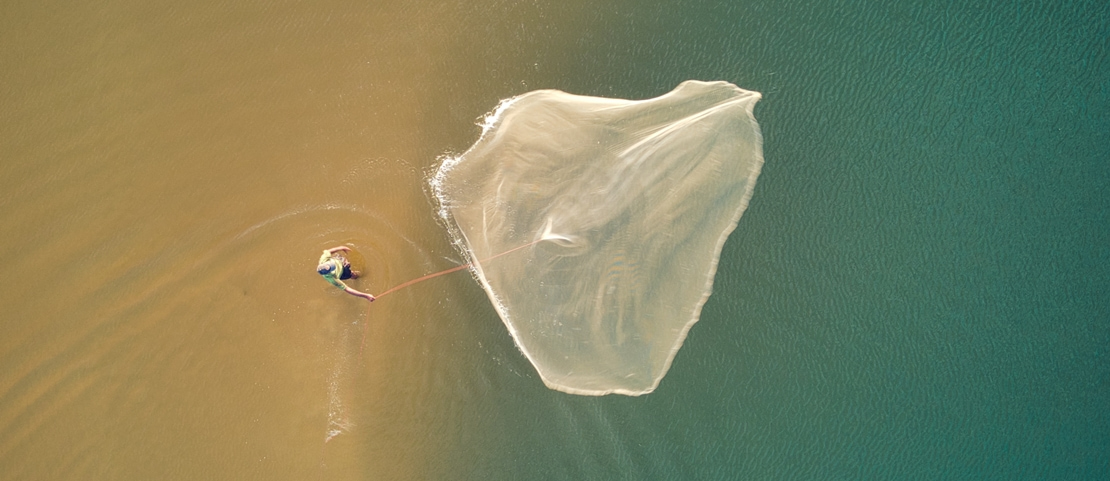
<point>623,206</point>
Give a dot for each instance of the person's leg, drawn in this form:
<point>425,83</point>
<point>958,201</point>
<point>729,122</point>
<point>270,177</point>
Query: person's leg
<point>347,272</point>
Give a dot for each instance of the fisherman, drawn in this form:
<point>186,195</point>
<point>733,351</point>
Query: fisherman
<point>336,269</point>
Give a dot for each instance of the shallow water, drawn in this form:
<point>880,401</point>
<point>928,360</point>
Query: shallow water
<point>916,291</point>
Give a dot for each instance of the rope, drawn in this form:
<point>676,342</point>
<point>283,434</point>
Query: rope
<point>448,271</point>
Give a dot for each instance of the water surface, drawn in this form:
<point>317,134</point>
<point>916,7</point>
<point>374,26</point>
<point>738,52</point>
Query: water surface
<point>917,290</point>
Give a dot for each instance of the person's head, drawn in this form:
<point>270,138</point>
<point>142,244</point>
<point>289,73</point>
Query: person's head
<point>326,268</point>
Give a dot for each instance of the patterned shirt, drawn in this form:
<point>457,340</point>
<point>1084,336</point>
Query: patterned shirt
<point>332,276</point>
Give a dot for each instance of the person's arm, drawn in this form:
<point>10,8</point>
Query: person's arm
<point>334,279</point>
<point>355,293</point>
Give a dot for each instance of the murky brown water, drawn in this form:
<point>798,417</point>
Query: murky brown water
<point>170,174</point>
<point>917,290</point>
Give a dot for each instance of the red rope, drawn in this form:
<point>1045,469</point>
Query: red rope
<point>448,271</point>
<point>366,327</point>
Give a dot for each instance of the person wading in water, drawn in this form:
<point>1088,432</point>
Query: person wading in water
<point>336,268</point>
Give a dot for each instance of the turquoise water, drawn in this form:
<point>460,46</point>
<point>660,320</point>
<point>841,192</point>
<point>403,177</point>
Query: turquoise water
<point>918,290</point>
